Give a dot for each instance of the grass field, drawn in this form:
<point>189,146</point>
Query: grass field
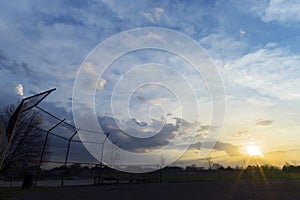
<point>7,193</point>
<point>248,182</point>
<point>239,189</point>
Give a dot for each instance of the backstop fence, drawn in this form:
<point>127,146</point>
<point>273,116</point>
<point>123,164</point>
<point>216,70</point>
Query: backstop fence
<point>62,158</point>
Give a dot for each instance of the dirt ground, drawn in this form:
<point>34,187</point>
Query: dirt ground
<point>242,189</point>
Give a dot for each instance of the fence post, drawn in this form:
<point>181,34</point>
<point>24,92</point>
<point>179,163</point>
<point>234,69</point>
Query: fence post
<point>10,130</point>
<point>67,156</point>
<point>43,151</point>
<point>101,158</point>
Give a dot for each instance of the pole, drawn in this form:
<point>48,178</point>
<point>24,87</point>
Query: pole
<point>67,156</point>
<point>43,151</point>
<point>101,157</point>
<point>160,180</point>
<point>11,128</point>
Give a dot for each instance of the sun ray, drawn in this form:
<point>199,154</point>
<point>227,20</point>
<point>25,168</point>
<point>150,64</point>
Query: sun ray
<point>264,177</point>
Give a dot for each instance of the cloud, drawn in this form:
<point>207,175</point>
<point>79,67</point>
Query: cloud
<point>61,111</point>
<point>275,10</point>
<point>15,67</point>
<point>78,152</point>
<point>152,100</point>
<point>269,71</point>
<point>44,49</point>
<point>148,16</point>
<point>8,94</point>
<point>261,122</point>
<point>125,141</point>
<point>242,33</point>
<point>157,12</point>
<point>139,122</point>
<point>89,68</point>
<point>141,98</point>
<point>230,149</point>
<point>101,83</point>
<point>222,46</point>
<point>154,15</point>
<point>158,100</point>
<point>19,89</point>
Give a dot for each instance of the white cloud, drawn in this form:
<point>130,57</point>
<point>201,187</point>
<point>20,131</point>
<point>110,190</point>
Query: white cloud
<point>148,16</point>
<point>19,89</point>
<point>242,32</point>
<point>89,68</point>
<point>101,83</point>
<point>153,101</point>
<point>268,71</point>
<point>158,100</point>
<point>277,10</point>
<point>157,12</point>
<point>8,94</point>
<point>220,45</point>
<point>154,15</point>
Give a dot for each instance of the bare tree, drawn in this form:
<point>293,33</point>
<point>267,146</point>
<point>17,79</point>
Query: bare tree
<point>209,162</point>
<point>26,142</point>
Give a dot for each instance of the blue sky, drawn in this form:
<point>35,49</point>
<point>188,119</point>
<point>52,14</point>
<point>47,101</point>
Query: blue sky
<point>254,45</point>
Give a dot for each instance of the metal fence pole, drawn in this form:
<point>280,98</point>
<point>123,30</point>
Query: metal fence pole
<point>101,158</point>
<point>43,151</point>
<point>160,180</point>
<point>67,156</point>
<point>11,128</point>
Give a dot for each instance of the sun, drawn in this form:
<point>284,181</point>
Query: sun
<point>254,151</point>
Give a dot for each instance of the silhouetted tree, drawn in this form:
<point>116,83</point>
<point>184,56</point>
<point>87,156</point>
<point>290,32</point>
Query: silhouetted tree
<point>27,140</point>
<point>229,168</point>
<point>75,169</point>
<point>209,162</point>
<point>290,168</point>
<point>193,168</point>
<point>217,166</point>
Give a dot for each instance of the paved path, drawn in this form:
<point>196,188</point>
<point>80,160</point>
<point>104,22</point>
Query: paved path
<point>53,183</point>
<point>243,189</point>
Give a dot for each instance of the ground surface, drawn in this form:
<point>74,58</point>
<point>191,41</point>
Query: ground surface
<point>242,189</point>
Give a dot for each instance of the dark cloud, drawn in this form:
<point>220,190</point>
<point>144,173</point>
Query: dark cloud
<point>50,20</point>
<point>58,110</point>
<point>125,141</point>
<point>203,128</point>
<point>78,152</point>
<point>141,98</point>
<point>261,122</point>
<point>139,123</point>
<point>14,67</point>
<point>230,149</point>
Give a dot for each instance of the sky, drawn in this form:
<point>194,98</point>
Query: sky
<point>254,46</point>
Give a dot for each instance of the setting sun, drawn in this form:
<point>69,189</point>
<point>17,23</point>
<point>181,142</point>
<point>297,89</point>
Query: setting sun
<point>254,151</point>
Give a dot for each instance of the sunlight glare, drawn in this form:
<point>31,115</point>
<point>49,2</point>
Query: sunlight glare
<point>254,151</point>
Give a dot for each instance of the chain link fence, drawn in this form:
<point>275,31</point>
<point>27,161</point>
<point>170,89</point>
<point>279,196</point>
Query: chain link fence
<point>62,158</point>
